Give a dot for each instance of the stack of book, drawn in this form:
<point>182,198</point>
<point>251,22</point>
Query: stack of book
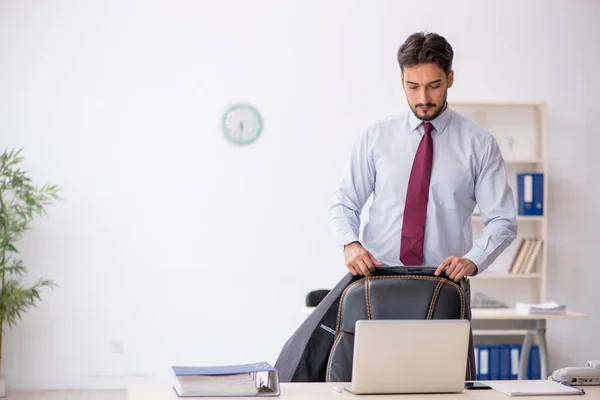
<point>259,379</point>
<point>525,257</point>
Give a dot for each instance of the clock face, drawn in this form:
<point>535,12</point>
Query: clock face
<point>242,124</point>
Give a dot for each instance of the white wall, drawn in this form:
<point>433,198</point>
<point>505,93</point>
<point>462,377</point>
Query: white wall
<point>191,250</point>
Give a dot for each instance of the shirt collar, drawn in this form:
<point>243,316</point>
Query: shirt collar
<point>439,123</point>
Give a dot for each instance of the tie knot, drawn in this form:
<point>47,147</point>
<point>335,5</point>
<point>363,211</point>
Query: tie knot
<point>428,126</point>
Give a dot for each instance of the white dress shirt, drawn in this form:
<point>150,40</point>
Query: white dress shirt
<point>468,170</point>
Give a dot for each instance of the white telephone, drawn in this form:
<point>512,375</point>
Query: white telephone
<point>593,364</point>
<point>587,375</point>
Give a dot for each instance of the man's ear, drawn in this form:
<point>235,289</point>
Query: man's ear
<point>450,78</point>
<point>402,80</point>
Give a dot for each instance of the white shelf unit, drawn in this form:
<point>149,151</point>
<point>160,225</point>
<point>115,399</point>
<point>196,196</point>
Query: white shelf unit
<point>521,132</point>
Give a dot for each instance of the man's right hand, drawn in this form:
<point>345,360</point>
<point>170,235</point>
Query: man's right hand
<point>358,260</point>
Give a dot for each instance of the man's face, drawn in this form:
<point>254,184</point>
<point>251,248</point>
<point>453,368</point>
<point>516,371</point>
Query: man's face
<point>426,87</point>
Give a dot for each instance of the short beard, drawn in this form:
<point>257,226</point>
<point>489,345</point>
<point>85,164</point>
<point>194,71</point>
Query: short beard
<point>434,115</point>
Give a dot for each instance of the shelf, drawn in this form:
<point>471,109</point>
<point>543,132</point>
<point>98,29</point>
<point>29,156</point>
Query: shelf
<point>491,275</point>
<point>521,218</point>
<point>521,131</point>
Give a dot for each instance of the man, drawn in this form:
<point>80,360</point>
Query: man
<point>426,169</point>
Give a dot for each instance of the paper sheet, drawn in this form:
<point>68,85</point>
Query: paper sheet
<point>533,388</point>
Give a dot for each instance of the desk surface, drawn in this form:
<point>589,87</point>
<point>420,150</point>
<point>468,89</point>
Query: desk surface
<point>505,314</point>
<point>325,391</point>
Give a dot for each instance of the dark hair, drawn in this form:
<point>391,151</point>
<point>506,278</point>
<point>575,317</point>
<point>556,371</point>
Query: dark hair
<point>422,47</point>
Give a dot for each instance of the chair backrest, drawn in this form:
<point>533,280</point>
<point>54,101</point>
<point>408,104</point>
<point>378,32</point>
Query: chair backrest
<point>314,297</point>
<point>403,296</point>
<point>305,356</point>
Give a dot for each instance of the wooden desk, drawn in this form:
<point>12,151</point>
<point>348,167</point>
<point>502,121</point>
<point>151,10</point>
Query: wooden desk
<point>326,391</point>
<point>506,321</point>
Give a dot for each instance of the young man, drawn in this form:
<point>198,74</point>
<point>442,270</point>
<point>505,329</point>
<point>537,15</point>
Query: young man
<point>426,169</point>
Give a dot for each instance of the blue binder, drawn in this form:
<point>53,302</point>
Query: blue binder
<point>264,376</point>
<point>501,362</point>
<point>505,366</point>
<point>476,353</point>
<point>533,367</point>
<point>530,193</point>
<point>515,361</point>
<point>494,363</point>
<point>483,372</point>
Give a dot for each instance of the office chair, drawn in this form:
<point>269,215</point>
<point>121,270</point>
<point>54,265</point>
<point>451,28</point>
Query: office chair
<point>396,296</point>
<point>393,292</point>
<point>314,297</point>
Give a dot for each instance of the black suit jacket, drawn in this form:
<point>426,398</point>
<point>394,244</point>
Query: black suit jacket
<point>304,356</point>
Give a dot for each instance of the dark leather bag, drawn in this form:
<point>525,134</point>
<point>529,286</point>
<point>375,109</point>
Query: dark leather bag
<point>407,294</point>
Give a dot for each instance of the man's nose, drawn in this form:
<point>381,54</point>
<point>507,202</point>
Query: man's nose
<point>423,97</point>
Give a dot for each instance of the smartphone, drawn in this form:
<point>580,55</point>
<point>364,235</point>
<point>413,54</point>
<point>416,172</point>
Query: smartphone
<point>476,386</point>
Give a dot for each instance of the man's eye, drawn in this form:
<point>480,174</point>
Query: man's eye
<point>434,86</point>
<point>413,87</point>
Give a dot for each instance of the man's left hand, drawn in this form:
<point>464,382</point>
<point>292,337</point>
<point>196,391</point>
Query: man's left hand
<point>456,268</point>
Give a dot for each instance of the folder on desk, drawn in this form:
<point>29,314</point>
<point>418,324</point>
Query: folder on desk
<point>257,379</point>
<point>530,193</point>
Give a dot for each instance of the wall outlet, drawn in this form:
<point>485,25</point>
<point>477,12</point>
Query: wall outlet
<point>116,346</point>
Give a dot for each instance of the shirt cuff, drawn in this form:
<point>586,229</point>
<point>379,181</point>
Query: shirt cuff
<point>346,238</point>
<point>478,258</point>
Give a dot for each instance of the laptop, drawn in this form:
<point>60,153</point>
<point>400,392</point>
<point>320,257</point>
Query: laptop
<point>409,356</point>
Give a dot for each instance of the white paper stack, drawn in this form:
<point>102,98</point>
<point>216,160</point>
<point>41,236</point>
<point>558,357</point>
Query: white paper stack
<point>534,388</point>
<point>541,308</point>
<point>223,385</point>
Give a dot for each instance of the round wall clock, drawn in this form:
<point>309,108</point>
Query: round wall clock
<point>242,124</point>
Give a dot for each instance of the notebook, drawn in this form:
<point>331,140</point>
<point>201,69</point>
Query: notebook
<point>533,388</point>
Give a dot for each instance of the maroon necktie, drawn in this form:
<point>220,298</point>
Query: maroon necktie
<point>417,194</point>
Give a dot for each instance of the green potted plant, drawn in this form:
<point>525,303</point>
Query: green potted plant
<point>20,202</point>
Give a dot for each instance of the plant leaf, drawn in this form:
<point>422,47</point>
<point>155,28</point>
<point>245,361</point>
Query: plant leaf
<point>20,203</point>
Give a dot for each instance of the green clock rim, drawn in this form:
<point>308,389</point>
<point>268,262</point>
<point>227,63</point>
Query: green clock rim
<point>254,111</point>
